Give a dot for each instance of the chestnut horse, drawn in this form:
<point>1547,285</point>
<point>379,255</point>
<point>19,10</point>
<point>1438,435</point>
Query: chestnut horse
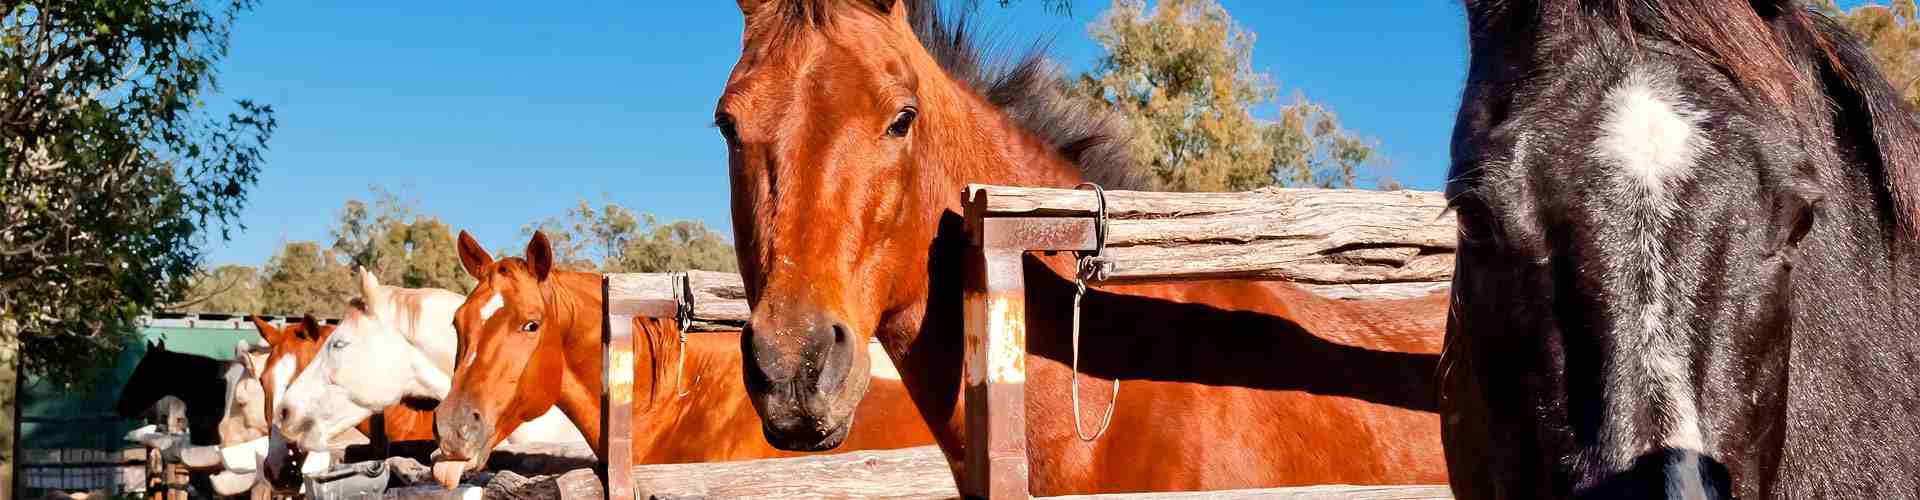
<point>530,339</point>
<point>852,128</point>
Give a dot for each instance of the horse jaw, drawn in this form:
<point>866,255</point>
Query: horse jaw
<point>313,409</point>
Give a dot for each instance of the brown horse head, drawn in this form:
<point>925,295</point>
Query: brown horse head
<point>508,369</point>
<point>293,348</point>
<point>852,127</point>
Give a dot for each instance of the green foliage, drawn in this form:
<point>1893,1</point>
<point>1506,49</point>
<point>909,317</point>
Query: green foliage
<point>1310,149</point>
<point>1182,75</point>
<point>401,246</point>
<point>1891,36</point>
<point>225,289</point>
<point>616,240</point>
<point>304,278</point>
<point>114,172</point>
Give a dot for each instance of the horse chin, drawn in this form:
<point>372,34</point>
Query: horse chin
<point>831,440</point>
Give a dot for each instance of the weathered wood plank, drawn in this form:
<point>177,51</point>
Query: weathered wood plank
<point>1317,236</point>
<point>1378,291</point>
<point>904,474</point>
<point>631,292</point>
<point>718,297</point>
<point>1321,492</point>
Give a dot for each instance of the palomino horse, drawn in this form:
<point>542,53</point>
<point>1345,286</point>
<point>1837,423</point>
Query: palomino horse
<point>395,346</point>
<point>1687,261</point>
<point>531,340</point>
<point>852,128</point>
<point>246,411</point>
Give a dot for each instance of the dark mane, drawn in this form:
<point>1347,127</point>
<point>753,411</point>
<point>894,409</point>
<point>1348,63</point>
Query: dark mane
<point>1025,85</point>
<point>1029,88</point>
<point>1777,50</point>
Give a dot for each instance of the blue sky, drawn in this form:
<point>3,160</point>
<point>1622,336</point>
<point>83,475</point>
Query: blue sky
<point>492,115</point>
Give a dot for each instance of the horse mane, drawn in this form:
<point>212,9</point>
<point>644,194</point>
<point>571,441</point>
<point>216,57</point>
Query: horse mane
<point>1762,46</point>
<point>1025,85</point>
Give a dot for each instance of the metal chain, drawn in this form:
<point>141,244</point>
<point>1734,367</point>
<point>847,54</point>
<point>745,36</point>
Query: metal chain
<point>1093,267</point>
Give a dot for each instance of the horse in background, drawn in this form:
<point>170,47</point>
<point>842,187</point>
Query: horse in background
<point>1688,257</point>
<point>246,418</point>
<point>532,334</point>
<point>198,381</point>
<point>394,347</point>
<point>851,128</point>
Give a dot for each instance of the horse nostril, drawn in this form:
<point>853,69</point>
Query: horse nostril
<point>476,415</point>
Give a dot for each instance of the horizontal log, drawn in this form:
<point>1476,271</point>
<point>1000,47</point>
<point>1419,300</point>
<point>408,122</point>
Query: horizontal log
<point>632,291</point>
<point>1321,492</point>
<point>1317,236</point>
<point>907,473</point>
<point>1378,291</point>
<point>718,299</point>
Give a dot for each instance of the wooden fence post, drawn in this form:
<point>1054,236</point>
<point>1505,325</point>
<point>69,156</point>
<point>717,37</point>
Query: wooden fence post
<point>624,298</point>
<point>996,343</point>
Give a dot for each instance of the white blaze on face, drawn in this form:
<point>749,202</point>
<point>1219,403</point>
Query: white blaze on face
<point>1652,137</point>
<point>281,374</point>
<point>493,305</point>
<point>1650,134</point>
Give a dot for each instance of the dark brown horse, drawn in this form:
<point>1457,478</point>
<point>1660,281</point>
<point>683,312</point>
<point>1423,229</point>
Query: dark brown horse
<point>1687,258</point>
<point>530,340</point>
<point>852,128</point>
<point>196,380</point>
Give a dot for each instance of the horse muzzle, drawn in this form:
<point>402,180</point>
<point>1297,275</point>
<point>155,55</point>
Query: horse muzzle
<point>464,433</point>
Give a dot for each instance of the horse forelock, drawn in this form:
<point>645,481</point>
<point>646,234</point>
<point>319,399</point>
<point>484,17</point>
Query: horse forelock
<point>1024,84</point>
<point>1785,57</point>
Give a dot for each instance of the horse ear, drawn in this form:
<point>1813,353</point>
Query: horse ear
<point>472,256</point>
<point>540,255</point>
<point>268,332</point>
<point>369,288</point>
<point>161,344</point>
<point>310,326</point>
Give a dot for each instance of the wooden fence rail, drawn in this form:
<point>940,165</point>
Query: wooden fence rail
<point>1329,238</point>
<point>1342,243</point>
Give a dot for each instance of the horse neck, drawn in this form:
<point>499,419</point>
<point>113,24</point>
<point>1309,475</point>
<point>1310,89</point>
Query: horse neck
<point>575,311</point>
<point>424,316</point>
<point>994,149</point>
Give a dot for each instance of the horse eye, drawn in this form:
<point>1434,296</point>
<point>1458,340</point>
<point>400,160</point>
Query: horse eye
<point>339,344</point>
<point>725,124</point>
<point>902,122</point>
<point>530,326</point>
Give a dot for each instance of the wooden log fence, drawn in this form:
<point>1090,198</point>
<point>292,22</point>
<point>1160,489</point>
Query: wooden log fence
<point>1401,240</point>
<point>1338,243</point>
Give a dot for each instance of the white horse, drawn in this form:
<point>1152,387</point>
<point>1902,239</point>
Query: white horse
<point>394,345</point>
